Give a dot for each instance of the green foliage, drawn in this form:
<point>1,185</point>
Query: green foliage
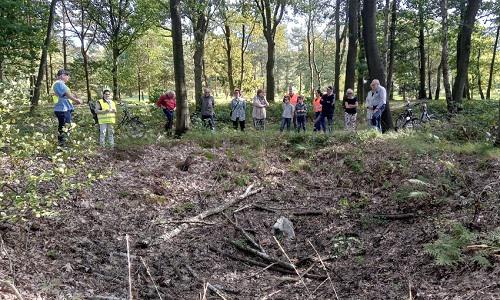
<point>448,249</point>
<point>345,245</point>
<point>356,165</point>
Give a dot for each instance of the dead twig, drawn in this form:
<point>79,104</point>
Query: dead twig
<point>324,268</point>
<point>245,233</point>
<point>248,192</point>
<point>129,269</point>
<point>264,256</point>
<point>296,271</point>
<point>13,288</point>
<point>209,286</point>
<point>190,222</point>
<point>150,277</point>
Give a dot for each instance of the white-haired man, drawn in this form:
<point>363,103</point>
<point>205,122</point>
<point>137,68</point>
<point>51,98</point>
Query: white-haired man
<point>379,101</point>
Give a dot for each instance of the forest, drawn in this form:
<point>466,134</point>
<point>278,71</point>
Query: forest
<point>123,174</point>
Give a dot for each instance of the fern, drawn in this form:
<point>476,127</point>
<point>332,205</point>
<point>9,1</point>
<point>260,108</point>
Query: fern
<point>447,250</point>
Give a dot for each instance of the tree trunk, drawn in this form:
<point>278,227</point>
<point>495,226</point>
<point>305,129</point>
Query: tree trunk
<point>200,30</point>
<point>51,69</point>
<point>337,48</point>
<point>1,67</point>
<point>227,35</point>
<point>361,68</point>
<point>429,74</point>
<point>139,81</point>
<point>438,83</point>
<point>444,55</point>
<point>43,59</point>
<point>375,66</point>
<point>47,78</point>
<point>64,39</point>
<point>391,45</point>
<point>182,112</point>
<point>242,58</point>
<point>463,54</point>
<point>270,70</point>
<point>479,83</point>
<point>205,77</point>
<point>86,71</point>
<point>387,13</point>
<point>492,65</point>
<point>421,47</point>
<point>310,31</point>
<point>350,69</point>
<point>114,71</point>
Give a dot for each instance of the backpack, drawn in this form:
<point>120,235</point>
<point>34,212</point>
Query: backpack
<point>92,105</point>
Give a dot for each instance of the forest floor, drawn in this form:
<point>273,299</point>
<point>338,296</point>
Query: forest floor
<point>364,209</point>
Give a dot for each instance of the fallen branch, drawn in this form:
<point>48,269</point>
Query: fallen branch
<point>150,277</point>
<point>207,213</point>
<point>245,233</point>
<point>264,256</point>
<point>13,288</point>
<point>210,286</point>
<point>129,269</point>
<point>326,270</point>
<point>393,217</point>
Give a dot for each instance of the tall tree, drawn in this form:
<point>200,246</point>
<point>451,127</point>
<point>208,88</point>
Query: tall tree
<point>182,112</point>
<point>350,70</point>
<point>226,29</point>
<point>84,28</point>
<point>338,41</point>
<point>444,53</point>
<point>375,66</point>
<point>199,13</point>
<point>421,47</point>
<point>43,57</point>
<point>121,22</point>
<point>271,12</point>
<point>492,65</point>
<point>391,45</point>
<point>463,54</point>
<point>64,39</point>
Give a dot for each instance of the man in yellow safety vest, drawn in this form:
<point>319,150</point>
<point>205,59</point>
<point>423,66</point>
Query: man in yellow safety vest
<point>106,115</point>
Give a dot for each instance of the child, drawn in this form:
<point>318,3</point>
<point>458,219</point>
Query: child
<point>317,112</point>
<point>287,115</point>
<point>106,116</point>
<point>301,111</point>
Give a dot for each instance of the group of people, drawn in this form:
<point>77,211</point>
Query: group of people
<point>294,109</point>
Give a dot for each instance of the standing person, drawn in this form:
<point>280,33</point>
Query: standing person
<point>207,109</point>
<point>287,115</point>
<point>301,112</point>
<point>317,112</point>
<point>106,116</point>
<point>378,103</point>
<point>259,110</point>
<point>63,108</point>
<point>238,110</point>
<point>369,106</point>
<point>328,107</point>
<point>167,103</point>
<point>293,101</point>
<point>350,105</point>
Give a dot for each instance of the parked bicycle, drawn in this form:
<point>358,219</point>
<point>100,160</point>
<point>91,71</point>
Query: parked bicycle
<point>407,119</point>
<point>130,124</point>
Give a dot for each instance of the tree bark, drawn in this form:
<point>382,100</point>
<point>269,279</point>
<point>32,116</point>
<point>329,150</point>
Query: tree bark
<point>444,54</point>
<point>492,65</point>
<point>227,35</point>
<point>271,17</point>
<point>309,38</point>
<point>429,74</point>
<point>438,82</point>
<point>387,13</point>
<point>391,45</point>
<point>114,70</point>
<point>337,48</point>
<point>479,83</point>
<point>64,39</point>
<point>421,47</point>
<point>361,68</point>
<point>463,54</point>
<point>47,78</point>
<point>43,59</point>
<point>1,67</point>
<point>375,66</point>
<point>350,70</point>
<point>182,112</point>
<point>200,26</point>
<point>139,81</point>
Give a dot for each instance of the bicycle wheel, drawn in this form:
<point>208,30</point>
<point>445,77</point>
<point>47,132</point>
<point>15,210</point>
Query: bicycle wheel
<point>135,128</point>
<point>400,122</point>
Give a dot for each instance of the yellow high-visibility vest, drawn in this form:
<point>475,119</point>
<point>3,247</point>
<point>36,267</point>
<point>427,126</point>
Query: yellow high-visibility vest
<point>107,118</point>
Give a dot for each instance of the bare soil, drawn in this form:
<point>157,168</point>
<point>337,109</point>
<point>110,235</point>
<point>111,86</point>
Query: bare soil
<point>347,201</point>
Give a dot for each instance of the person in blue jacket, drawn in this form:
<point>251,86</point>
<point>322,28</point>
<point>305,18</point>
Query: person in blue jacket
<point>63,108</point>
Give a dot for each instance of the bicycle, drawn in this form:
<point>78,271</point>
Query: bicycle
<point>406,120</point>
<point>131,124</point>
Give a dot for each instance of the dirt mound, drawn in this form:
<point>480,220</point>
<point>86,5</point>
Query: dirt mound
<point>352,210</point>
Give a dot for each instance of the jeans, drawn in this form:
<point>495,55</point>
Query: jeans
<point>169,114</point>
<point>376,118</point>
<point>63,118</point>
<point>329,117</point>
<point>106,129</point>
<point>285,122</point>
<point>301,123</point>
<point>211,121</point>
<point>350,121</point>
<point>319,124</point>
<point>238,121</point>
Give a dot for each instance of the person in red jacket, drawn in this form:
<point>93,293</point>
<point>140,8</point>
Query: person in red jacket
<point>167,103</point>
